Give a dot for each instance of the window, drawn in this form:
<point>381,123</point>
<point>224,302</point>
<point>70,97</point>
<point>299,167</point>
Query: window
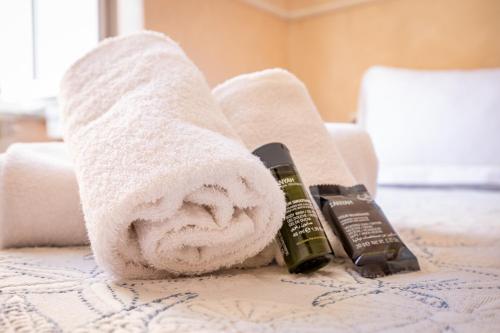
<point>39,39</point>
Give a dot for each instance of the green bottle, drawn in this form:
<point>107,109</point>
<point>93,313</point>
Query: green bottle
<point>302,240</point>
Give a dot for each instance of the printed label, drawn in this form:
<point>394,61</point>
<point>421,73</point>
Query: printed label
<point>301,224</point>
<point>363,226</point>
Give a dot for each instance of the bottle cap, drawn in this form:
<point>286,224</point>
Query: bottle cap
<point>274,154</point>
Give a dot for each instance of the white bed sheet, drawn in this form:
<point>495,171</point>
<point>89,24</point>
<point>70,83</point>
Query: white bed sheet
<point>454,233</point>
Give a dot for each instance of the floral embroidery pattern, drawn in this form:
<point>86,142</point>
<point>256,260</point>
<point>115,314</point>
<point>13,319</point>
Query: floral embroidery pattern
<point>458,289</point>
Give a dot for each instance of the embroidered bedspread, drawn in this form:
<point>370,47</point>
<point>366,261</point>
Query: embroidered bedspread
<point>454,233</point>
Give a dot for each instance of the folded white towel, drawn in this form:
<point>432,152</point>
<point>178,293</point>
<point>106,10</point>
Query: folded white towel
<point>275,106</point>
<point>166,186</point>
<point>39,201</point>
<point>46,209</point>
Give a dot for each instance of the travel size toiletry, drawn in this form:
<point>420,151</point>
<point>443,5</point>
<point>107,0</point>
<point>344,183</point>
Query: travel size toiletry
<point>365,233</point>
<point>302,240</point>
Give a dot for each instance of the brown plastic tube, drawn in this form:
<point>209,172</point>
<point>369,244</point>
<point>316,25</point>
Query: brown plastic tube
<point>365,233</point>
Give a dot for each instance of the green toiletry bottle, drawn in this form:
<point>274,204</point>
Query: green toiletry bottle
<point>302,240</point>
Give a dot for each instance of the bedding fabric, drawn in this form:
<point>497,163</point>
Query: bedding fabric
<point>455,234</point>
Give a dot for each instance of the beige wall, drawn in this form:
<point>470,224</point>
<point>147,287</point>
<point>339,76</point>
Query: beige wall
<point>223,37</point>
<point>330,51</point>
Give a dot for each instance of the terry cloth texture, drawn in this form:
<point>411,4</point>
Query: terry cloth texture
<point>165,184</point>
<point>274,106</point>
<point>39,191</point>
<point>39,201</point>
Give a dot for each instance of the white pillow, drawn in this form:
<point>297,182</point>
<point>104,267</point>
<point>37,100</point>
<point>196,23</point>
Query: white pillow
<point>433,127</point>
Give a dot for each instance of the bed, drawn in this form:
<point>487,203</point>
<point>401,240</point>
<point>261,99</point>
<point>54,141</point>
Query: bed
<point>436,134</point>
<point>455,232</point>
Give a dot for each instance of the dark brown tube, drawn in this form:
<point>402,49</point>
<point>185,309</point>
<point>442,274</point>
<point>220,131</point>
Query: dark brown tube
<point>365,233</point>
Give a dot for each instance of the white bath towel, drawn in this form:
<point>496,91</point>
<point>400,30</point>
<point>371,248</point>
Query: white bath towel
<point>39,201</point>
<point>46,209</point>
<point>275,106</point>
<point>165,185</point>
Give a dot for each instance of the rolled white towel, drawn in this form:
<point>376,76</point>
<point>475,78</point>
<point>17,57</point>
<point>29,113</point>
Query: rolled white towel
<point>166,185</point>
<point>274,106</point>
<point>39,197</point>
<point>39,201</point>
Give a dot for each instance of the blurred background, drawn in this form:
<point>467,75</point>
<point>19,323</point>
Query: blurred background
<point>328,44</point>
